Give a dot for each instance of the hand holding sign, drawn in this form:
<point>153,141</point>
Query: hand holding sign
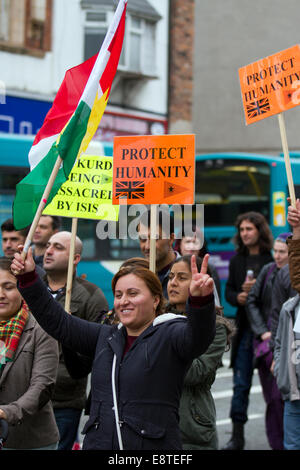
<point>21,266</point>
<point>201,284</point>
<point>293,218</point>
<point>271,86</point>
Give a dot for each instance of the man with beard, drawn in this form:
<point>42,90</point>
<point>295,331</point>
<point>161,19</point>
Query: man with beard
<point>165,255</point>
<point>47,226</point>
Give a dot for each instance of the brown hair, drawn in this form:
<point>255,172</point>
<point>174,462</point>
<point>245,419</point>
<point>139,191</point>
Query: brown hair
<point>136,261</point>
<point>150,279</point>
<point>8,226</point>
<point>5,264</point>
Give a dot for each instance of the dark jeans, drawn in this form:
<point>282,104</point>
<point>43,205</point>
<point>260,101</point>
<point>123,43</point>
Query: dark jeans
<point>242,378</point>
<point>67,420</point>
<point>274,404</point>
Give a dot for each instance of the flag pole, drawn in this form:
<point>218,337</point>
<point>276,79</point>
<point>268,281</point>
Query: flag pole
<point>287,159</point>
<point>41,206</point>
<point>71,265</point>
<point>153,226</point>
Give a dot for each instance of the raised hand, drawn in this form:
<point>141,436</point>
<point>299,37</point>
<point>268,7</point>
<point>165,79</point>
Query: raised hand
<point>293,217</point>
<point>21,266</point>
<point>201,284</point>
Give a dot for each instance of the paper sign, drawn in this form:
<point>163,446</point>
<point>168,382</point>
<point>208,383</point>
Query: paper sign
<point>154,169</point>
<point>87,194</point>
<point>271,85</point>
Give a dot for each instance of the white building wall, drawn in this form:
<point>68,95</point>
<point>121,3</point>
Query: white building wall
<point>153,94</point>
<point>43,75</point>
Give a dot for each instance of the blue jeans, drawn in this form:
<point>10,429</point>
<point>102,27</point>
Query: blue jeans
<point>67,420</point>
<point>291,425</point>
<point>242,378</point>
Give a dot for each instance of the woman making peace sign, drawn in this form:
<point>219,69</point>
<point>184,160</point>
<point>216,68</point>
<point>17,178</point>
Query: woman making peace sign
<point>139,364</point>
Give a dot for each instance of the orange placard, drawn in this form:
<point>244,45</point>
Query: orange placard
<point>154,169</point>
<point>271,85</point>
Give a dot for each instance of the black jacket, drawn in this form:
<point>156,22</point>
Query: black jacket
<point>236,278</point>
<point>259,301</point>
<point>87,301</point>
<point>149,379</point>
<point>282,291</point>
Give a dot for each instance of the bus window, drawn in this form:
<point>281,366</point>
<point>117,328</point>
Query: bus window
<point>9,177</point>
<point>109,249</point>
<point>230,187</point>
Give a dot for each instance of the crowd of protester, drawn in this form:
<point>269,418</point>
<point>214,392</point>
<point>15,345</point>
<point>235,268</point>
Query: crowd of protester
<point>153,357</point>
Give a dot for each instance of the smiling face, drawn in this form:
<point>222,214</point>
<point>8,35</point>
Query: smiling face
<point>134,304</point>
<point>10,298</point>
<point>178,285</point>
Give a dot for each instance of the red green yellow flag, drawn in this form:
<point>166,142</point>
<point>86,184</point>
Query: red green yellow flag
<point>71,122</point>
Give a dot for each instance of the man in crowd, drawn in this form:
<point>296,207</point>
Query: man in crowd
<point>254,243</point>
<point>46,227</point>
<point>11,238</point>
<point>87,302</point>
<point>165,255</point>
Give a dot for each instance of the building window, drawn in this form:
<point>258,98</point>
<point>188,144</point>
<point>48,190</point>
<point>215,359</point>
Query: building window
<point>139,47</point>
<point>139,50</point>
<point>25,25</point>
<point>96,25</point>
<point>3,20</point>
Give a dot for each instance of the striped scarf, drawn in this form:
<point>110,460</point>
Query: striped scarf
<point>10,333</point>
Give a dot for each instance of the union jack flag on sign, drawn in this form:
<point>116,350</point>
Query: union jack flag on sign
<point>255,108</point>
<point>130,189</point>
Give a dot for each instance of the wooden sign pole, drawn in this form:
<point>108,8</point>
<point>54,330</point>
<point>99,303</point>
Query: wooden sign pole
<point>41,207</point>
<point>71,265</point>
<point>153,227</point>
<point>287,159</point>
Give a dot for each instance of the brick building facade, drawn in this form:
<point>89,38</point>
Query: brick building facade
<point>181,68</point>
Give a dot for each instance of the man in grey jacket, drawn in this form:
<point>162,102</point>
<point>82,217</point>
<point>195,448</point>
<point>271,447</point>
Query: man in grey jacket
<point>87,302</point>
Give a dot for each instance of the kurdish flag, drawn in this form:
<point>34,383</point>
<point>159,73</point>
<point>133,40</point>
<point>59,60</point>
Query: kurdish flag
<point>71,122</point>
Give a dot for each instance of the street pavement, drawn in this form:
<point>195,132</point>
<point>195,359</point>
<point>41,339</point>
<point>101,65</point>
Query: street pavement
<point>255,435</point>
